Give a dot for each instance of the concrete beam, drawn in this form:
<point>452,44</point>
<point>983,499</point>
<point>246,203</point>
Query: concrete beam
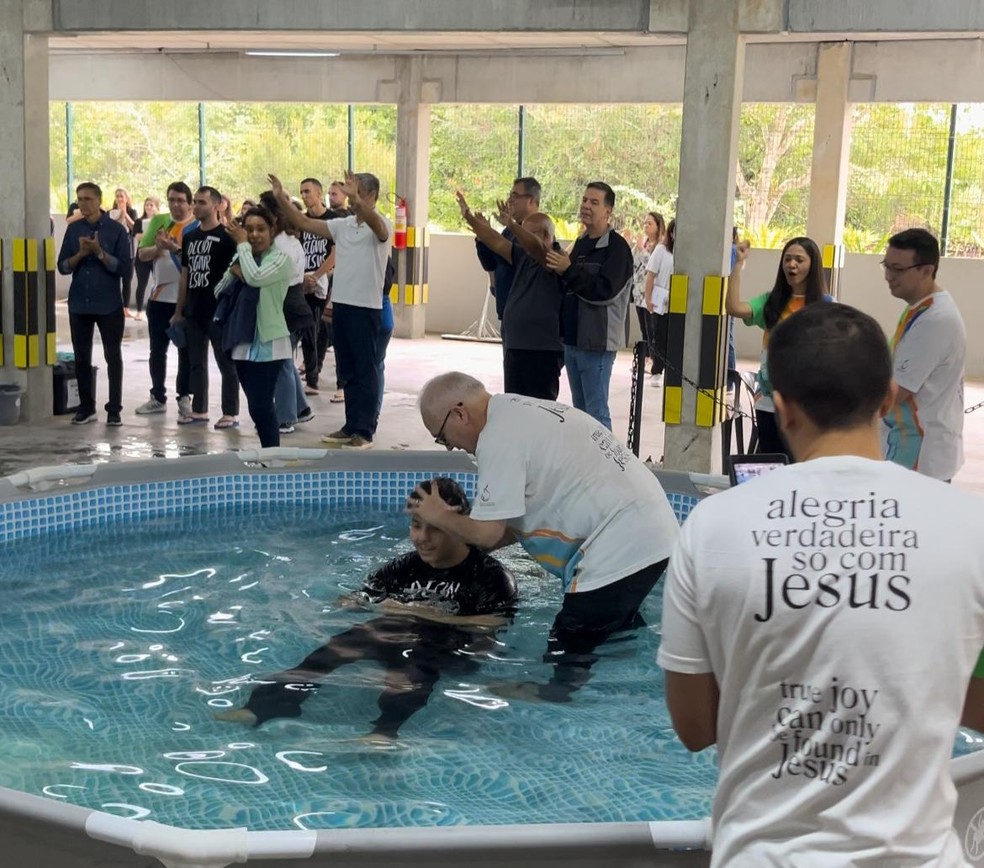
<point>884,16</point>
<point>378,16</point>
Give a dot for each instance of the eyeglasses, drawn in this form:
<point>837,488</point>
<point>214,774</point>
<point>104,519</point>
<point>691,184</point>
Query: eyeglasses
<point>899,269</point>
<point>439,437</point>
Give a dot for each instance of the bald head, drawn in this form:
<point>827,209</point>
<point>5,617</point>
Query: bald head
<point>540,225</point>
<point>454,409</point>
<point>445,390</point>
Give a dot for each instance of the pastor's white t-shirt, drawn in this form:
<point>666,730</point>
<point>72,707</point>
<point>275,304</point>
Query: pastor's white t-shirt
<point>580,502</point>
<point>840,605</point>
<point>929,347</point>
<point>360,262</point>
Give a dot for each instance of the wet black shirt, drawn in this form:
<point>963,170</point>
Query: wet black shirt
<point>479,585</point>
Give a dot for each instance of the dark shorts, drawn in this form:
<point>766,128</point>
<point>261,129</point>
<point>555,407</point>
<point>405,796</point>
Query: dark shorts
<point>587,619</point>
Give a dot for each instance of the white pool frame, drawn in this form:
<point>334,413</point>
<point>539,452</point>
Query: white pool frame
<point>43,832</point>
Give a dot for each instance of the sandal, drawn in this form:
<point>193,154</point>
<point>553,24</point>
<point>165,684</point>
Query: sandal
<point>192,420</point>
<point>338,398</point>
<point>226,422</point>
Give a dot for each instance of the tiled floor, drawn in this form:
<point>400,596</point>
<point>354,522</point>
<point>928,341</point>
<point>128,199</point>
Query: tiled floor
<point>409,365</point>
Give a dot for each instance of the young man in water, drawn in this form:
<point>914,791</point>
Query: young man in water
<point>821,623</point>
<point>433,603</point>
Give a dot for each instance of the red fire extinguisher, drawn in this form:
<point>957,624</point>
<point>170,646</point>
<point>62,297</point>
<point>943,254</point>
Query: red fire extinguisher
<point>400,224</point>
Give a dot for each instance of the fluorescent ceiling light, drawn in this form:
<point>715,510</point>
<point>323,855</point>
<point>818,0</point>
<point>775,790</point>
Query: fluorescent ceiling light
<point>292,53</point>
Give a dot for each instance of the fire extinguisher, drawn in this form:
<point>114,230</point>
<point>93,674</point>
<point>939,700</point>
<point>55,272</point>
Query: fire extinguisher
<point>400,224</point>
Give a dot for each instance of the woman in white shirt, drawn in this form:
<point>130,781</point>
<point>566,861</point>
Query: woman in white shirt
<point>653,229</point>
<point>657,295</point>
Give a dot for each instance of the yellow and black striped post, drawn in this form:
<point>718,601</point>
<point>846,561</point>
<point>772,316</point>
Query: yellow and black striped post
<point>833,265</point>
<point>710,377</point>
<point>415,288</point>
<point>50,357</point>
<point>676,320</point>
<point>24,260</point>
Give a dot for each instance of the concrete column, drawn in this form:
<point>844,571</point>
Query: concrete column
<point>831,156</point>
<point>25,181</point>
<point>708,158</point>
<point>412,184</point>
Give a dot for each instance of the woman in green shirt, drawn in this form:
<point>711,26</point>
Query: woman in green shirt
<point>799,281</point>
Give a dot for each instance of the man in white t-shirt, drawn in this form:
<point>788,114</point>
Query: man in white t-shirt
<point>553,479</point>
<point>821,623</point>
<point>924,429</point>
<point>362,246</point>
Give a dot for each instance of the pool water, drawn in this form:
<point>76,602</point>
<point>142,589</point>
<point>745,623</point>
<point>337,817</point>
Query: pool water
<point>121,643</point>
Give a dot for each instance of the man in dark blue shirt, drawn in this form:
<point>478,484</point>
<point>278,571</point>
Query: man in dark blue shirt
<point>96,252</point>
<point>524,199</point>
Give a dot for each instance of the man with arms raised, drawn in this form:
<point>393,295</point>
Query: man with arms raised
<point>924,428</point>
<point>524,200</point>
<point>557,482</point>
<point>362,246</point>
<point>821,623</point>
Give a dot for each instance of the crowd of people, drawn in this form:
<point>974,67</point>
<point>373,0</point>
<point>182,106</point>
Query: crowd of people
<point>823,623</point>
<point>254,287</point>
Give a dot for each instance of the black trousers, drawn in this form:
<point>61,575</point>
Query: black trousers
<point>645,327</point>
<point>310,340</point>
<point>534,373</point>
<point>199,335</point>
<point>357,365</point>
<point>259,379</point>
<point>110,327</point>
<point>588,619</point>
<point>658,323</point>
<point>413,667</point>
<point>143,270</point>
<point>159,315</point>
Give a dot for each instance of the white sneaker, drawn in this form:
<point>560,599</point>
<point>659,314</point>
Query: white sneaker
<point>152,406</point>
<point>656,380</point>
<point>184,405</point>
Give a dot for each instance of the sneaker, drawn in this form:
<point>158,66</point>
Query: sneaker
<point>113,420</point>
<point>152,406</point>
<point>311,390</point>
<point>339,436</point>
<point>184,405</point>
<point>83,417</point>
<point>656,381</point>
<point>306,416</point>
<point>286,428</point>
<point>357,441</point>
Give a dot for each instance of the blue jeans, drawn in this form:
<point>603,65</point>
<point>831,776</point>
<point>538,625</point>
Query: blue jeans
<point>589,373</point>
<point>289,392</point>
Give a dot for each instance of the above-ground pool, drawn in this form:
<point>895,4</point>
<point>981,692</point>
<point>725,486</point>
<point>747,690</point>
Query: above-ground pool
<point>135,610</point>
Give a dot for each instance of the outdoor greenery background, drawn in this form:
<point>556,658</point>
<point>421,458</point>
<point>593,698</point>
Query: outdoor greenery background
<point>896,179</point>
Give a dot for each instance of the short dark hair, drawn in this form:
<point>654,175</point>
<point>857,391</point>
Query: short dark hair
<point>608,191</point>
<point>834,362</point>
<point>531,187</point>
<point>270,203</point>
<point>368,182</point>
<point>264,214</point>
<point>451,493</point>
<point>314,181</point>
<point>921,242</point>
<point>182,188</point>
<point>89,185</point>
<point>212,194</point>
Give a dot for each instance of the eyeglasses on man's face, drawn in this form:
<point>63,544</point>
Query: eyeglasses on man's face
<point>439,437</point>
<point>899,269</point>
